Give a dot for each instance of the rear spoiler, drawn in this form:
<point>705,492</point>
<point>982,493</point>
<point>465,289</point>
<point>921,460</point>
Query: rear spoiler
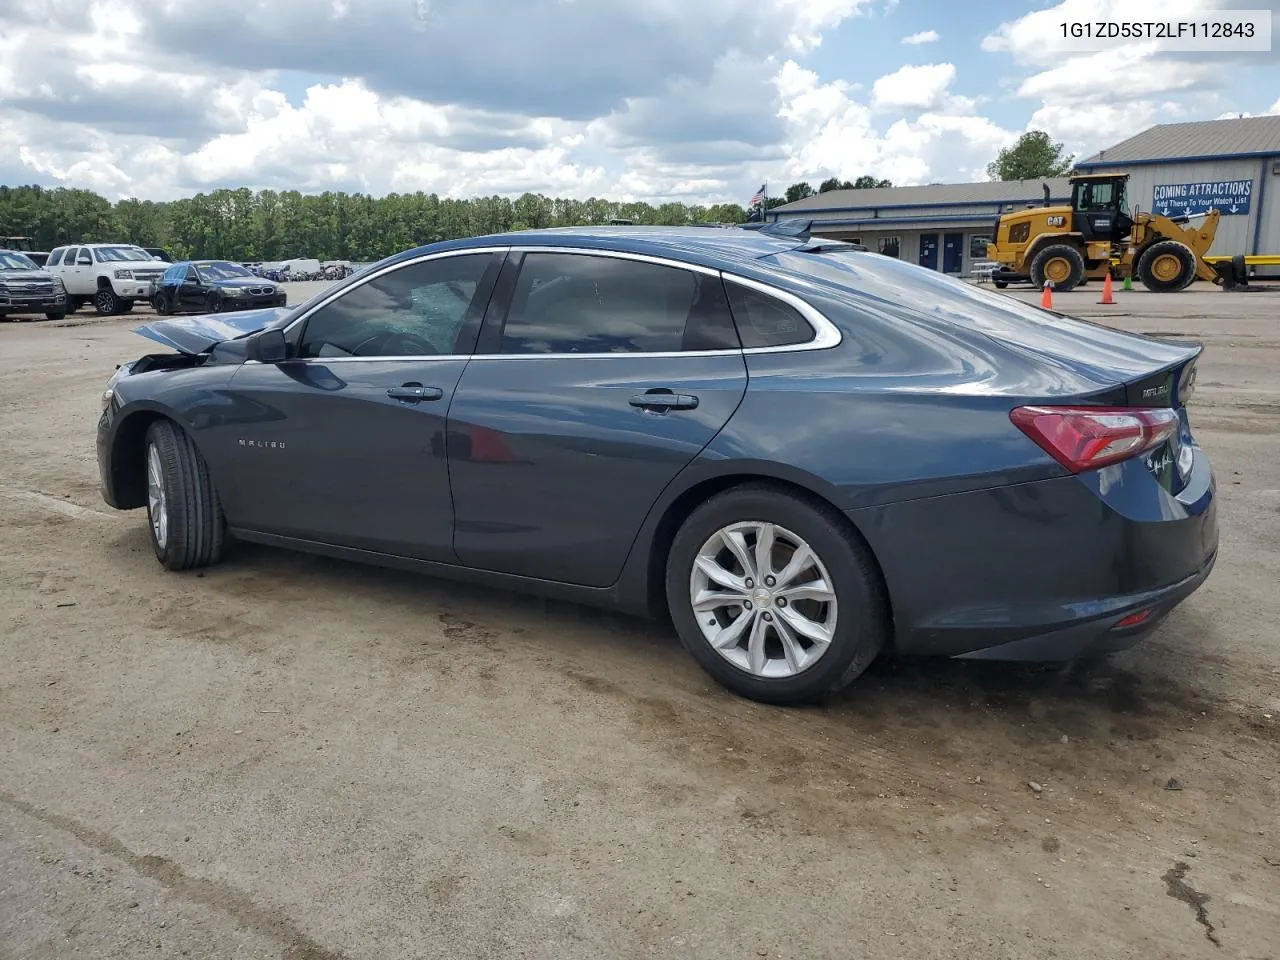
<point>797,229</point>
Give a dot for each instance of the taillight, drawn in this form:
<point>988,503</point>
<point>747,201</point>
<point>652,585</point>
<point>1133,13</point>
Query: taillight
<point>1086,438</point>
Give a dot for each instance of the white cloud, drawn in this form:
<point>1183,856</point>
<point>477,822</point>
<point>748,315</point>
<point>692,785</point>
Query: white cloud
<point>832,134</point>
<point>1092,100</point>
<point>924,36</point>
<point>913,88</point>
<point>1274,109</point>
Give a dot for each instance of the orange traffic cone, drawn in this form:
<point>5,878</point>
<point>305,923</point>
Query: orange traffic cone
<point>1046,299</point>
<point>1106,290</point>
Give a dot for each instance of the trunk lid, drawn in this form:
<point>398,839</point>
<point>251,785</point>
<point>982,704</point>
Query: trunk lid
<point>199,334</point>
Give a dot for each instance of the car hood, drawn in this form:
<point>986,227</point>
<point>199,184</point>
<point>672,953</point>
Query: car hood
<point>24,275</point>
<point>198,334</point>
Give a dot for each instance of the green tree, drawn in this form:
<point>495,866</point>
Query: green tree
<point>799,191</point>
<point>865,182</point>
<point>1032,157</point>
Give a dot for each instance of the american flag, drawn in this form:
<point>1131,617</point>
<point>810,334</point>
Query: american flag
<point>758,198</point>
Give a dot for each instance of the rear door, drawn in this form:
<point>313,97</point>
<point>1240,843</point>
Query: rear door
<point>345,444</point>
<point>605,377</point>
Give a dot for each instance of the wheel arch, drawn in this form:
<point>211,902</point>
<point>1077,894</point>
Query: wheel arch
<point>127,444</point>
<point>678,506</point>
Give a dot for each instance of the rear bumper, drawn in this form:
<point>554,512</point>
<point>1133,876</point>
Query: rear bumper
<point>1042,570</point>
<point>1101,635</point>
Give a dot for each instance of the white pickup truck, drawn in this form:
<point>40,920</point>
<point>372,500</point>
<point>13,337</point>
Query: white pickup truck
<point>111,276</point>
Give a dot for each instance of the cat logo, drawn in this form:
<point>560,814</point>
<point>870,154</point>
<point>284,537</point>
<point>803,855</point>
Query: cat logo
<point>1057,221</point>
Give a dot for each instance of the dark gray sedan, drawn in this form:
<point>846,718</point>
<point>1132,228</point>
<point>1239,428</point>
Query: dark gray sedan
<point>804,454</point>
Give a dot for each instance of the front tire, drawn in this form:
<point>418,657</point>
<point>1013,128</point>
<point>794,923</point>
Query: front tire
<point>106,303</point>
<point>1167,266</point>
<point>184,516</point>
<point>1060,264</point>
<point>214,303</point>
<point>814,616</point>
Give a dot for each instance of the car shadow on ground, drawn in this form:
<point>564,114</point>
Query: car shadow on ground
<point>1126,693</point>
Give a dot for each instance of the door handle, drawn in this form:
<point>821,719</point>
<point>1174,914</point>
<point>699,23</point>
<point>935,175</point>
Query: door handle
<point>414,392</point>
<point>664,400</point>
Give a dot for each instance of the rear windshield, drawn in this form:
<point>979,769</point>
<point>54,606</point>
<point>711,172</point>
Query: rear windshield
<point>109,254</point>
<point>900,283</point>
<point>15,261</point>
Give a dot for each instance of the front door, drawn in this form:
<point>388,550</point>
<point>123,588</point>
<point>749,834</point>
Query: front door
<point>346,443</point>
<point>191,294</point>
<point>929,250</point>
<point>953,253</point>
<point>602,381</point>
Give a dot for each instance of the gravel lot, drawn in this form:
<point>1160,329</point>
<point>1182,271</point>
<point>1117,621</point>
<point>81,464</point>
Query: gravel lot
<point>300,758</point>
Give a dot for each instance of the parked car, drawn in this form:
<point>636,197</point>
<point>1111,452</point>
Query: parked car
<point>212,286</point>
<point>159,253</point>
<point>27,247</point>
<point>803,454</point>
<point>111,276</point>
<point>26,288</point>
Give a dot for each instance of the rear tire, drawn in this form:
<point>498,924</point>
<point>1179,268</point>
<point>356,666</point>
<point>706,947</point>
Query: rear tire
<point>1060,264</point>
<point>1166,267</point>
<point>805,647</point>
<point>184,516</point>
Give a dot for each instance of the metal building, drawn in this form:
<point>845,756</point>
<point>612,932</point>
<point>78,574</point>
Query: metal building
<point>943,226</point>
<point>1233,165</point>
<point>1187,168</point>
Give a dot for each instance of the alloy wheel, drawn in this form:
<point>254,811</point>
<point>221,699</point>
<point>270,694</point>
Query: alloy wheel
<point>763,599</point>
<point>157,500</point>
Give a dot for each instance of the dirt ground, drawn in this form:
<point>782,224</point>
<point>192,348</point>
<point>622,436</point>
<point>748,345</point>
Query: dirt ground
<point>291,757</point>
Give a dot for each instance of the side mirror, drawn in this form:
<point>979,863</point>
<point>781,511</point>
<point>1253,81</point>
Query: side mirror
<point>267,346</point>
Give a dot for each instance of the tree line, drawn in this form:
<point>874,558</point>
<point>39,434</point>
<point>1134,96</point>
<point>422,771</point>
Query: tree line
<point>248,225</point>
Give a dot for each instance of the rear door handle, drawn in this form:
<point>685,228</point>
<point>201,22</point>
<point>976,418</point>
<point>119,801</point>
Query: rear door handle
<point>664,401</point>
<point>414,392</point>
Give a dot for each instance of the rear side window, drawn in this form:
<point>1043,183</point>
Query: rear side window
<point>765,321</point>
<point>582,304</point>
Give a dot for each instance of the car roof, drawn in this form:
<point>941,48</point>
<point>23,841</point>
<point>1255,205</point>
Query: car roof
<point>715,247</point>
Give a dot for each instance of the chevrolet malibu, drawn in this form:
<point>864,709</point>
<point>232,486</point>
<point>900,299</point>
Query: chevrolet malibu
<point>802,454</point>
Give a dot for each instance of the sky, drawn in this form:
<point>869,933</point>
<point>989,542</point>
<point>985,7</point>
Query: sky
<point>698,101</point>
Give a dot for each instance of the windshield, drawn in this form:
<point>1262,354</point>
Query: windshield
<point>221,270</point>
<point>15,261</point>
<point>109,254</point>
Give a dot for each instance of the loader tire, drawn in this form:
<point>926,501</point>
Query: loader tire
<point>1167,266</point>
<point>1060,264</point>
<point>1240,269</point>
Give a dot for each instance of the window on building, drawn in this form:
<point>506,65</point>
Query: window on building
<point>978,247</point>
<point>890,246</point>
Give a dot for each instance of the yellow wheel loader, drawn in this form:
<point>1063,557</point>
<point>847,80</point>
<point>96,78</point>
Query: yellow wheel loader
<point>1067,245</point>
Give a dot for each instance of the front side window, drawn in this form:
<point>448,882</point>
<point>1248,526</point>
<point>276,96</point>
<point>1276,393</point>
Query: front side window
<point>84,258</point>
<point>417,310</point>
<point>567,303</point>
<point>1096,197</point>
